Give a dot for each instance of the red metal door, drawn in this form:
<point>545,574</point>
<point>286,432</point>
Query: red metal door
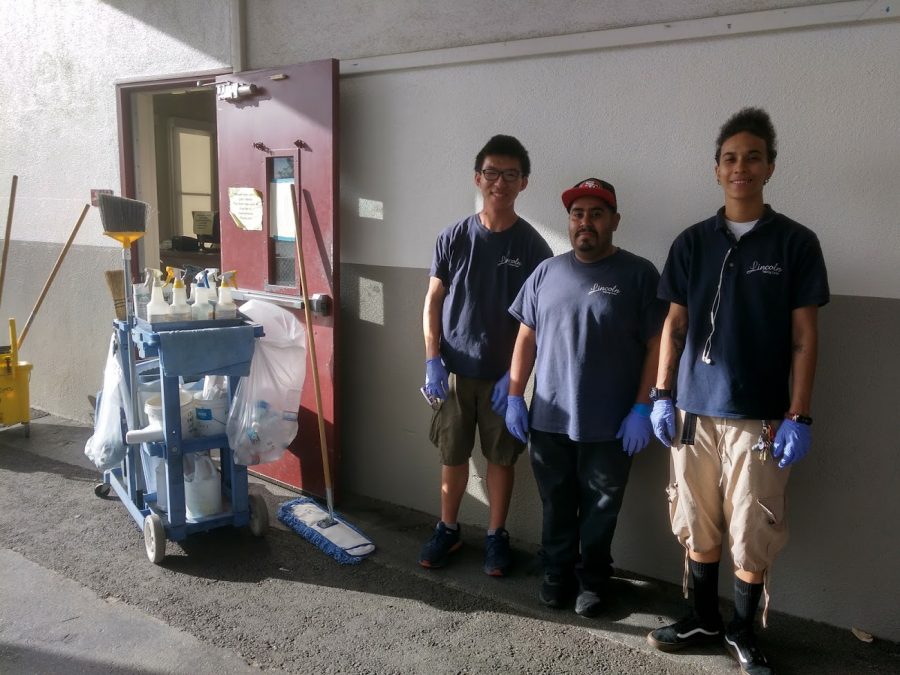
<point>276,127</point>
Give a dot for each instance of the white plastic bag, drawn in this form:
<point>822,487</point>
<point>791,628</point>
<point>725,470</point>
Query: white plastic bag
<point>106,447</point>
<point>262,421</point>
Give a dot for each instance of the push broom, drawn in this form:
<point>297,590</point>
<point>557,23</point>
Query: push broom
<point>325,529</point>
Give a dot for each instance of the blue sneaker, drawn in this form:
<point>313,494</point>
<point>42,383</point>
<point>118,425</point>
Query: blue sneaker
<point>437,550</point>
<point>497,556</point>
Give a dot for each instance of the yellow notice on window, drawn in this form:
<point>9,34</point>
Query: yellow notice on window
<point>246,206</point>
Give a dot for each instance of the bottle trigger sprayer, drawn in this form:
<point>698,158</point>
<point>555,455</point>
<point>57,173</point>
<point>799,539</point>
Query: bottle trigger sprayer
<point>179,310</point>
<point>212,273</point>
<point>203,307</point>
<point>225,307</point>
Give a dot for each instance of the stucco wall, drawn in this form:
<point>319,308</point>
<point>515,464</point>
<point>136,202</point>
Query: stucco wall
<point>644,117</point>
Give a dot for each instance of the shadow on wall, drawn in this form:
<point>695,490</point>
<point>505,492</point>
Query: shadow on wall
<point>386,450</point>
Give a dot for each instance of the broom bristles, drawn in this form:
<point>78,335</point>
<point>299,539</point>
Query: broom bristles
<point>120,214</point>
<point>116,284</point>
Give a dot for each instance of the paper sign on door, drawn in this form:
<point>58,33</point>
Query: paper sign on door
<point>245,206</point>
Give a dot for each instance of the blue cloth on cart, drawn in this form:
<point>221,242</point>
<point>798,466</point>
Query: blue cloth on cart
<point>206,351</point>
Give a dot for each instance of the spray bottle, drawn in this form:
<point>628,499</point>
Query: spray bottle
<point>142,295</point>
<point>203,308</point>
<point>164,284</point>
<point>157,308</point>
<point>225,307</point>
<point>179,309</point>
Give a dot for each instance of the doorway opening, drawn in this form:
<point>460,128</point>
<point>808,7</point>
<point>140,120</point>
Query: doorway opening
<point>169,159</point>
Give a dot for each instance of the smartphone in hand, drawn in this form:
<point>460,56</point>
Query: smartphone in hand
<point>433,401</point>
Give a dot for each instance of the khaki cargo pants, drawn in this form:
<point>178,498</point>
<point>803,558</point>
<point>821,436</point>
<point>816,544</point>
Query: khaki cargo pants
<point>722,484</point>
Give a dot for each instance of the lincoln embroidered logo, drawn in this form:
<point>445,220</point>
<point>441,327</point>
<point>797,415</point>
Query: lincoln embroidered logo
<point>773,269</point>
<point>511,262</point>
<point>607,290</point>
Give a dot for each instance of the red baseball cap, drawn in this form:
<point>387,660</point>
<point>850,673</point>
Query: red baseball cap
<point>590,187</point>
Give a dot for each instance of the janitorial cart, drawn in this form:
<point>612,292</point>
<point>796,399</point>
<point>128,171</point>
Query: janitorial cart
<point>179,352</point>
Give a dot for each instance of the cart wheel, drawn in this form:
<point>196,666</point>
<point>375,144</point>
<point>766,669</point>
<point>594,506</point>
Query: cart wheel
<point>259,515</point>
<point>26,429</point>
<point>154,538</point>
<point>102,490</point>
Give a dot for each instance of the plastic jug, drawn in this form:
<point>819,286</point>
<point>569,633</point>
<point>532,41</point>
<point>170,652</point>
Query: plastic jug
<point>202,487</point>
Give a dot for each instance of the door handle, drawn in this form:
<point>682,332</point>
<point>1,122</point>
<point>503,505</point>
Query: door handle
<point>320,304</point>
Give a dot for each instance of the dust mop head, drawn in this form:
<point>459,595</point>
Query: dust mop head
<point>340,540</point>
<point>125,220</point>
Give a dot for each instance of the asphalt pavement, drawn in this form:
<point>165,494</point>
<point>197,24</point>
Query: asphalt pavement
<point>78,595</point>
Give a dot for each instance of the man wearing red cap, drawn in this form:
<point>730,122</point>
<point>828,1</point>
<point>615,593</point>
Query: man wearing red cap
<point>590,325</point>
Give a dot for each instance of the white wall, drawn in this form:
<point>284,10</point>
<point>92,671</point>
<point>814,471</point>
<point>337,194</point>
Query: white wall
<point>61,60</point>
<point>645,118</point>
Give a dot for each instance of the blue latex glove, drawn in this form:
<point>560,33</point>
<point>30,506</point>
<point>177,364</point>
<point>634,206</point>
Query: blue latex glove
<point>636,429</point>
<point>437,381</point>
<point>498,396</point>
<point>517,417</point>
<point>791,442</point>
<point>662,417</point>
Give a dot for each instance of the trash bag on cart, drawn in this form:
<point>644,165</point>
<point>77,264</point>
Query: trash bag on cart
<point>106,447</point>
<point>262,421</point>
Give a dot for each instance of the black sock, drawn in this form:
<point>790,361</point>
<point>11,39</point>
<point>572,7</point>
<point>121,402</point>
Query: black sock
<point>746,602</point>
<point>706,591</point>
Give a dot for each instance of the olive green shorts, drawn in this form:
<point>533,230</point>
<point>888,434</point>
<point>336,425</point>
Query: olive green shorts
<point>722,485</point>
<point>468,405</point>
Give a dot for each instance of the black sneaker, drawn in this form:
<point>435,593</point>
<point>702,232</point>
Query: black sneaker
<point>443,542</point>
<point>588,603</point>
<point>687,632</point>
<point>556,590</point>
<point>497,556</point>
<point>742,646</point>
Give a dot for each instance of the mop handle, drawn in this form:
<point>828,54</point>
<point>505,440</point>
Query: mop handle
<point>134,422</point>
<point>9,219</point>
<point>310,341</point>
<point>53,272</point>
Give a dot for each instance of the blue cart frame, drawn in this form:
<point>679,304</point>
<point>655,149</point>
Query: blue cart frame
<point>182,349</point>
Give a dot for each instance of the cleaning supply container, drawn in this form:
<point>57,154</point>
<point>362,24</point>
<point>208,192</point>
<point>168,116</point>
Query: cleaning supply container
<point>14,378</point>
<point>154,410</point>
<point>202,493</point>
<point>210,415</point>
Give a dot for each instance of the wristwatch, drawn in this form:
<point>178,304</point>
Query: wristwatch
<point>657,394</point>
<point>797,417</point>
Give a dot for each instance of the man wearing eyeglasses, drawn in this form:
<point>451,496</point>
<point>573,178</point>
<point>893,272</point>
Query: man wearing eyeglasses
<point>479,265</point>
<point>590,327</point>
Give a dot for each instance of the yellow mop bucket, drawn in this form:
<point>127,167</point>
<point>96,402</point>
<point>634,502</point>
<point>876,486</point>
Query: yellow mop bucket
<point>14,377</point>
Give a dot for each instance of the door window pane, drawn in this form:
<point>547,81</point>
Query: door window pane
<point>281,221</point>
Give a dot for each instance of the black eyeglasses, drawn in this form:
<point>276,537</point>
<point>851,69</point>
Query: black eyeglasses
<point>510,175</point>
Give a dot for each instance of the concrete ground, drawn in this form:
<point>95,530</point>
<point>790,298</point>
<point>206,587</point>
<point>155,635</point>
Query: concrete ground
<point>78,595</point>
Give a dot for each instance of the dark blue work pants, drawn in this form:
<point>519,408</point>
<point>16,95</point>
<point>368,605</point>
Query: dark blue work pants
<point>581,486</point>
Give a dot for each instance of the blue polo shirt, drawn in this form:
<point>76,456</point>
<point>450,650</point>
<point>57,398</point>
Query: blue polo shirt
<point>592,323</point>
<point>775,268</point>
<point>483,272</point>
